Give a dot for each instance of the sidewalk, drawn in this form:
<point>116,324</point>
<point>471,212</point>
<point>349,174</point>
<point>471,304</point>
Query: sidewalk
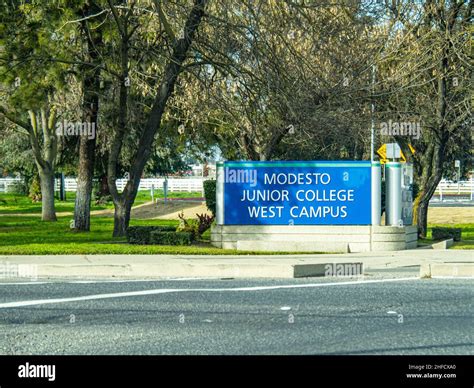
<point>449,262</point>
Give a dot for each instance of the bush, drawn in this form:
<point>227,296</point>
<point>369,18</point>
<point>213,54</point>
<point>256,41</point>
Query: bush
<point>18,187</point>
<point>103,200</point>
<point>35,189</point>
<point>141,234</point>
<point>189,226</point>
<point>205,222</point>
<point>171,238</point>
<point>210,194</point>
<point>101,196</point>
<point>446,233</point>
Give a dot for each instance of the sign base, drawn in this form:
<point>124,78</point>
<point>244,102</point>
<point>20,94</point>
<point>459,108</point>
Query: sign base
<point>314,238</point>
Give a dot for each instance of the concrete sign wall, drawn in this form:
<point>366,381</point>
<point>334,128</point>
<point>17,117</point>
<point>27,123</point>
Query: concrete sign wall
<point>295,193</point>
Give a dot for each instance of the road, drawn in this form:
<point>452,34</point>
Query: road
<point>380,314</point>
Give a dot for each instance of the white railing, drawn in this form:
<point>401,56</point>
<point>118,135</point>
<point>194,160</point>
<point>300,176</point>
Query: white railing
<point>174,184</point>
<point>6,182</point>
<point>445,188</point>
<point>450,189</point>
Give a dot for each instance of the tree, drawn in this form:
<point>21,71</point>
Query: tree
<point>286,80</point>
<point>428,77</point>
<point>44,143</point>
<point>167,80</point>
<point>31,86</point>
<point>90,75</point>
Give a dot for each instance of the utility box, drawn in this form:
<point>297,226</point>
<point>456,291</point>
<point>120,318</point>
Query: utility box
<point>407,193</point>
<point>399,193</point>
<point>393,151</point>
<point>393,194</point>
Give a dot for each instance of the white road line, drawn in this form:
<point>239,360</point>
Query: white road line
<point>101,281</point>
<point>172,290</point>
<point>22,283</point>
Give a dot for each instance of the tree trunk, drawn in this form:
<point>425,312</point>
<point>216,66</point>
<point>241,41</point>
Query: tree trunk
<point>90,108</point>
<point>103,186</point>
<point>422,201</point>
<point>122,217</point>
<point>48,212</point>
<point>82,207</point>
<point>431,164</point>
<point>84,184</point>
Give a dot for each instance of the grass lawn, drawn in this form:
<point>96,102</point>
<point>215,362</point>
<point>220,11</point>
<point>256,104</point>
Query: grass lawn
<point>16,204</point>
<point>467,235</point>
<point>28,235</point>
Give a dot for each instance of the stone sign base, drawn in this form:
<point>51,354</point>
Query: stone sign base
<point>314,238</point>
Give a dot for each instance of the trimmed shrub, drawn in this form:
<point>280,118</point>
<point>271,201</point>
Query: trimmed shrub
<point>171,238</point>
<point>446,233</point>
<point>141,234</point>
<point>210,194</point>
<point>35,189</point>
<point>18,187</point>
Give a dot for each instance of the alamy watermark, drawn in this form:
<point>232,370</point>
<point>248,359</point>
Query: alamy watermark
<point>12,270</point>
<point>401,128</point>
<point>343,269</point>
<point>37,371</point>
<point>68,128</point>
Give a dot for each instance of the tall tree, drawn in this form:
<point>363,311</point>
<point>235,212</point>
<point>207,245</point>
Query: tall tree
<point>180,46</point>
<point>428,79</point>
<point>90,75</point>
<point>30,87</point>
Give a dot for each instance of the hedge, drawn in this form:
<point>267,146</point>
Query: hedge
<point>446,233</point>
<point>171,238</point>
<point>210,194</point>
<point>141,234</point>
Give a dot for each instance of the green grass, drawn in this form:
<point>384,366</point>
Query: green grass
<point>19,204</point>
<point>28,235</point>
<point>467,235</point>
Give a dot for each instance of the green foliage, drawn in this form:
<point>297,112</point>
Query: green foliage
<point>18,188</point>
<point>205,222</point>
<point>35,189</point>
<point>142,234</point>
<point>28,235</point>
<point>210,194</point>
<point>443,233</point>
<point>171,238</point>
<point>188,226</point>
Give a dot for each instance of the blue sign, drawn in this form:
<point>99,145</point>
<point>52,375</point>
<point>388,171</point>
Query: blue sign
<point>297,193</point>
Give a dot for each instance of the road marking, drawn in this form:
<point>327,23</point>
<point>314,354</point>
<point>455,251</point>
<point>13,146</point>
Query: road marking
<point>173,290</point>
<point>22,283</point>
<point>99,281</point>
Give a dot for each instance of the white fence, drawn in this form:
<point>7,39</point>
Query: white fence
<point>174,184</point>
<point>445,190</point>
<point>6,182</point>
<point>454,190</point>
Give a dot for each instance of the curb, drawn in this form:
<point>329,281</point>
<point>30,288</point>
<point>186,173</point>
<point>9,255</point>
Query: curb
<point>200,270</point>
<point>443,270</point>
<point>445,244</point>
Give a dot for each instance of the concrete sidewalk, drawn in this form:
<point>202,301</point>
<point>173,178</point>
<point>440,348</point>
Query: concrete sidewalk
<point>223,266</point>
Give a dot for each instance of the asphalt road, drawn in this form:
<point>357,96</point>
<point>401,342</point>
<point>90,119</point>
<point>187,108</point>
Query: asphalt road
<point>301,316</point>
